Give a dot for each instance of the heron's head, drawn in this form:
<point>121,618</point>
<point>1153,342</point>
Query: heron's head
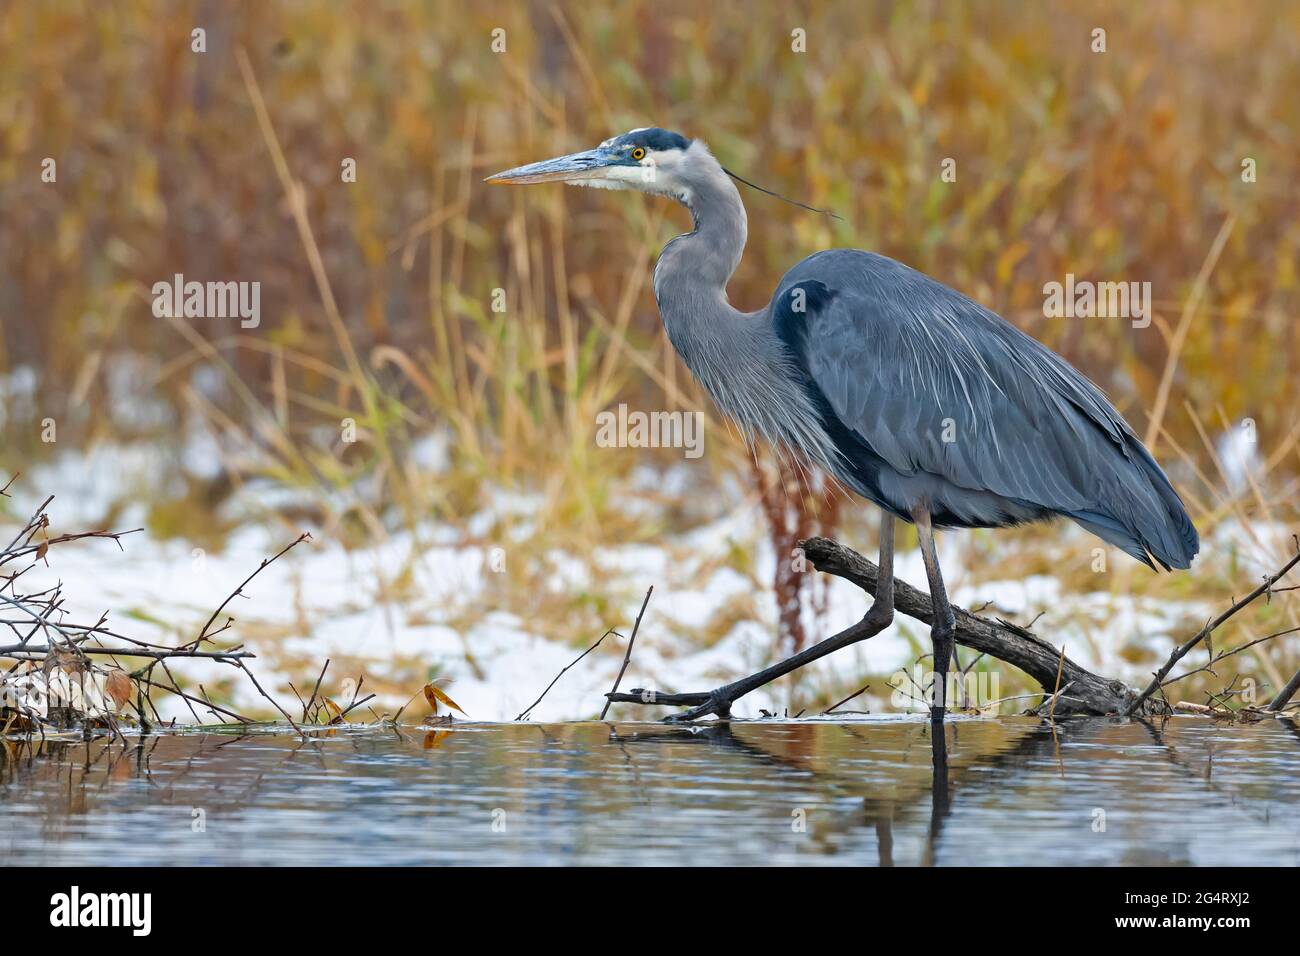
<point>651,160</point>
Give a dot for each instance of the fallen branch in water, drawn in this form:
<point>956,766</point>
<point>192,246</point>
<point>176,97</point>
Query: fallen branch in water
<point>1089,693</point>
<point>642,695</point>
<point>58,683</point>
<point>1010,643</point>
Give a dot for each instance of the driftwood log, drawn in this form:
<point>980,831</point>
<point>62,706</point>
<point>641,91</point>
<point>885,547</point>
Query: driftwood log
<point>1080,690</point>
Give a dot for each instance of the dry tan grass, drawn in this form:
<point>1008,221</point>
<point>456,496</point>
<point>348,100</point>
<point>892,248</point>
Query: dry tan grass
<point>376,295</point>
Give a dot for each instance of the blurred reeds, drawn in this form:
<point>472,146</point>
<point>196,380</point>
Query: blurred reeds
<point>377,295</point>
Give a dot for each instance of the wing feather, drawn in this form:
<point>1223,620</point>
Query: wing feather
<point>936,384</point>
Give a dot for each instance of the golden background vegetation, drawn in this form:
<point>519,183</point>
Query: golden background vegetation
<point>225,165</point>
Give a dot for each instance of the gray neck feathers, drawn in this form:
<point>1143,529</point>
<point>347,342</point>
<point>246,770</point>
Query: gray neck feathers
<point>710,254</point>
<point>736,356</point>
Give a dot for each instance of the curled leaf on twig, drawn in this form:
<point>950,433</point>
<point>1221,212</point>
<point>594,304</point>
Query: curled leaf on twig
<point>433,694</point>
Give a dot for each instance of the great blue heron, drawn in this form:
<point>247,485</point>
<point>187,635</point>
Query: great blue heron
<point>904,390</point>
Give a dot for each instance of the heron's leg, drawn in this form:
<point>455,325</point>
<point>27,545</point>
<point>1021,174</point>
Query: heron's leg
<point>943,624</point>
<point>881,612</point>
<point>878,617</point>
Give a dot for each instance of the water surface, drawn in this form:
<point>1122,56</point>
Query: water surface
<point>1014,791</point>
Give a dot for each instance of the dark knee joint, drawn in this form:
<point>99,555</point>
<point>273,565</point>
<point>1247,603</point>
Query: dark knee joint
<point>944,626</point>
<point>879,616</point>
<point>943,635</point>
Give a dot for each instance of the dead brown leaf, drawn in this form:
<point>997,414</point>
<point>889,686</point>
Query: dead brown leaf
<point>433,694</point>
<point>119,687</point>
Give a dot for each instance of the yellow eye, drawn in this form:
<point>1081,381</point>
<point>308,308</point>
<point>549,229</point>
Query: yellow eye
<point>638,153</point>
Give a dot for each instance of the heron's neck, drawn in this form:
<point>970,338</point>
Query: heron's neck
<point>738,358</point>
<point>691,276</point>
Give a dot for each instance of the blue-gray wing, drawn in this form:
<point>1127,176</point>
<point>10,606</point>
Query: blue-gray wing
<point>944,390</point>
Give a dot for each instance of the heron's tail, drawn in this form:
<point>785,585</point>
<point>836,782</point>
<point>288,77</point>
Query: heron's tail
<point>1143,515</point>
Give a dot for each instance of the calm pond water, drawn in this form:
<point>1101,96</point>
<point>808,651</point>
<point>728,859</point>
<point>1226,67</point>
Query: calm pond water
<point>813,792</point>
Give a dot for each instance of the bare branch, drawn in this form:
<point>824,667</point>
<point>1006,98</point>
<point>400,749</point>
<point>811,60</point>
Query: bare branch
<point>563,670</point>
<point>1181,650</point>
<point>628,656</point>
<point>1090,693</point>
<point>203,634</point>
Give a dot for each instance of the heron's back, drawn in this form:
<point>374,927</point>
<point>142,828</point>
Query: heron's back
<point>929,397</point>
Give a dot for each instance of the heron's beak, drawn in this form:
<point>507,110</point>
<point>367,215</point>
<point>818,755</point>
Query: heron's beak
<point>563,169</point>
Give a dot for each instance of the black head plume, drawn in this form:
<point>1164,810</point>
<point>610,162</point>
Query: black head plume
<point>792,202</point>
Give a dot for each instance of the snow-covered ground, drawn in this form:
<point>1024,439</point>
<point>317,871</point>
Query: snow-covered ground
<point>323,601</point>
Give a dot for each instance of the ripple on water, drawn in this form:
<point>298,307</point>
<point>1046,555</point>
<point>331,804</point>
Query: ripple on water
<point>1105,792</point>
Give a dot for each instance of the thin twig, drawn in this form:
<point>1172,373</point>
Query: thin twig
<point>198,700</point>
<point>528,710</point>
<point>1180,651</point>
<point>1229,653</point>
<point>628,656</point>
<point>856,693</point>
<point>20,652</point>
<point>274,702</point>
<point>1051,713</point>
<point>306,708</point>
<point>203,634</point>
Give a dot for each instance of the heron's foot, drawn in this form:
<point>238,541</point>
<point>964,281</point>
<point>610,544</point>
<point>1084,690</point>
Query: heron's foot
<point>714,705</point>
